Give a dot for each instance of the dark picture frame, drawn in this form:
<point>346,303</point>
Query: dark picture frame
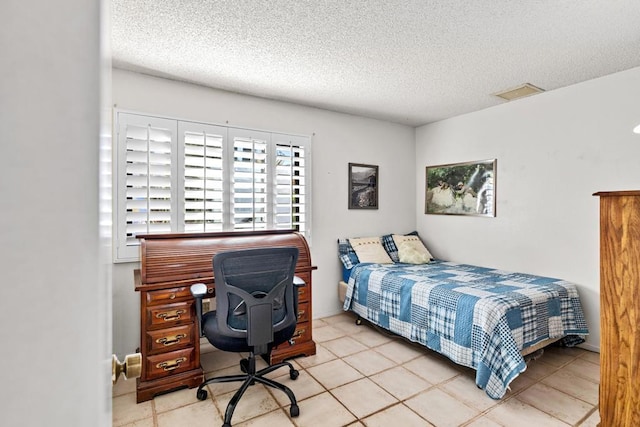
<point>467,188</point>
<point>363,186</point>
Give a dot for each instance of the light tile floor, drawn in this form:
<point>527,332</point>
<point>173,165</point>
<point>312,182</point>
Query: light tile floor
<point>362,376</point>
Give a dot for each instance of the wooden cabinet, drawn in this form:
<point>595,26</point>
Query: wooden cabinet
<point>620,308</point>
<point>169,265</point>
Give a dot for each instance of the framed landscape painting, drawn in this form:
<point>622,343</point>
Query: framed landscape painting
<point>461,189</point>
<point>363,186</point>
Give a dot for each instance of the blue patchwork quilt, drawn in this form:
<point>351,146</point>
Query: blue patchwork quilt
<point>478,317</point>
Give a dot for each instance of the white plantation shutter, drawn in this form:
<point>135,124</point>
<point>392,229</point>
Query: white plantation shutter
<point>250,180</point>
<point>146,193</point>
<point>202,184</point>
<point>182,176</point>
<point>290,182</point>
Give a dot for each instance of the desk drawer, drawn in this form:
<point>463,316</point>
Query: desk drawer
<point>302,332</point>
<point>168,339</point>
<point>170,314</point>
<point>303,312</point>
<point>303,294</point>
<point>174,362</point>
<point>168,295</point>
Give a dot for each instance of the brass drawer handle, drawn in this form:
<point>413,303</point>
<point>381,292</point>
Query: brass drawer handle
<point>295,336</point>
<point>170,315</point>
<point>171,340</point>
<point>300,313</point>
<point>170,365</point>
<point>172,296</point>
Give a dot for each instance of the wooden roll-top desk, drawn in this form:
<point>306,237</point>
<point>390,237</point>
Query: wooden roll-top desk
<point>169,265</point>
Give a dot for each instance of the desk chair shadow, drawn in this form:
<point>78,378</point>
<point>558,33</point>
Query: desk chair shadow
<point>256,309</point>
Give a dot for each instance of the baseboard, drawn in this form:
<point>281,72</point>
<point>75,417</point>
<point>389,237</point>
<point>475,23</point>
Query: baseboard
<point>590,347</point>
<point>327,313</point>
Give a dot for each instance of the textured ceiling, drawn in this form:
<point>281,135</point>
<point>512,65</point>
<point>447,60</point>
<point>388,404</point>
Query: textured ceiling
<point>411,62</point>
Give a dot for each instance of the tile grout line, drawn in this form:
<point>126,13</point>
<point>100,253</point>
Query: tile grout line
<point>423,352</point>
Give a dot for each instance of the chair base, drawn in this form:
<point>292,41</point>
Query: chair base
<point>249,378</point>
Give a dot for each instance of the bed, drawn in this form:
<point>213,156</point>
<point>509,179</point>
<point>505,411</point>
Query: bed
<point>482,318</point>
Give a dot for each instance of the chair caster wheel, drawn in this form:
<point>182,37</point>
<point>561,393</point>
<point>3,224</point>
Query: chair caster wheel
<point>294,410</point>
<point>293,374</point>
<point>358,321</point>
<point>201,394</point>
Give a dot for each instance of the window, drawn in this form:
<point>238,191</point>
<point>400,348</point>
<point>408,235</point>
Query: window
<point>201,184</point>
<point>175,176</point>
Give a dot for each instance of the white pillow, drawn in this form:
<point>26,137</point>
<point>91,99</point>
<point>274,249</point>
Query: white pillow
<point>411,249</point>
<point>408,254</point>
<point>370,249</point>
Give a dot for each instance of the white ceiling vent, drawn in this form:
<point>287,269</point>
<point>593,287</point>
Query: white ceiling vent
<point>521,91</point>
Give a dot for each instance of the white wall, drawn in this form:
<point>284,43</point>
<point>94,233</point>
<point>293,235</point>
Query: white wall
<point>53,296</point>
<point>337,139</point>
<point>554,150</point>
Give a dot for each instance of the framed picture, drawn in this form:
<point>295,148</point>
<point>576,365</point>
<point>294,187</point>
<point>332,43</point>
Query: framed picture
<point>461,189</point>
<point>363,186</point>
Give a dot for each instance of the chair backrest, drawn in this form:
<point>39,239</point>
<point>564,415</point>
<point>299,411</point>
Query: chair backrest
<point>255,296</point>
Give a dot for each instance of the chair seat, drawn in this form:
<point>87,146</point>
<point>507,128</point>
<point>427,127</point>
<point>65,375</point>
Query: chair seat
<point>227,343</point>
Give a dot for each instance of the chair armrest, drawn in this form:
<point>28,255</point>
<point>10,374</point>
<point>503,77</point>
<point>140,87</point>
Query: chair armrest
<point>199,290</point>
<point>298,282</point>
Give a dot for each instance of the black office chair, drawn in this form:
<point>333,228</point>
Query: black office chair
<point>256,309</point>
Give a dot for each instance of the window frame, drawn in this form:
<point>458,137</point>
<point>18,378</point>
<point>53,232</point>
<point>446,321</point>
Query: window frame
<point>124,251</point>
